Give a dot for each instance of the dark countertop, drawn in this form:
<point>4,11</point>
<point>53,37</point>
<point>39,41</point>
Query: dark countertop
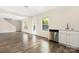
<point>57,30</point>
<point>53,30</point>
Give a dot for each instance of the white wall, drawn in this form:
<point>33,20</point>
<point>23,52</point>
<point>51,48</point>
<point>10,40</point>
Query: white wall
<point>28,21</point>
<point>38,23</point>
<point>9,26</point>
<point>6,27</point>
<point>63,15</point>
<point>16,23</point>
<point>12,25</point>
<point>58,19</point>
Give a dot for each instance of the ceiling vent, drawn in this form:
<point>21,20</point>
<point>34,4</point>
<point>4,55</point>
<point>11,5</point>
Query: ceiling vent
<point>25,6</point>
<point>7,18</point>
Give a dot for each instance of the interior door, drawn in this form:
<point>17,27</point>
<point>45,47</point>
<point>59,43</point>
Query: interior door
<point>33,29</point>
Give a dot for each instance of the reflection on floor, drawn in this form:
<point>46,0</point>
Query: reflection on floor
<point>26,43</point>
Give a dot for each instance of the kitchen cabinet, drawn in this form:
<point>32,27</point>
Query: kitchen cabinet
<point>62,37</point>
<point>74,39</point>
<point>70,38</point>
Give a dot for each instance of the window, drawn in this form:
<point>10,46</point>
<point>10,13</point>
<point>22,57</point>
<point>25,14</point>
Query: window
<point>45,23</point>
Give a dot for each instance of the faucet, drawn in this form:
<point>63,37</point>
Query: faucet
<point>67,26</point>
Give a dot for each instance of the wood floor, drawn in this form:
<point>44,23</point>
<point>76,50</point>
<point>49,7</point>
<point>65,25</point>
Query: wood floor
<point>19,42</point>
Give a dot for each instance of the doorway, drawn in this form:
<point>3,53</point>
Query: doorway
<point>33,29</point>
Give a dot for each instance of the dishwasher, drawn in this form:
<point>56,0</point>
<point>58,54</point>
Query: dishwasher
<point>53,35</point>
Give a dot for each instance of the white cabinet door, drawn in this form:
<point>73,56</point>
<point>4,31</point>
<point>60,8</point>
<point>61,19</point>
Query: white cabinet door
<point>74,39</point>
<point>68,37</point>
<point>62,37</point>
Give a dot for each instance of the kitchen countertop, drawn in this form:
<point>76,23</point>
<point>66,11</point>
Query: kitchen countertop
<point>63,30</point>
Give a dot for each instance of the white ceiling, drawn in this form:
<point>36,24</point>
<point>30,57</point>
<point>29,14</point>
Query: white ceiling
<point>26,11</point>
